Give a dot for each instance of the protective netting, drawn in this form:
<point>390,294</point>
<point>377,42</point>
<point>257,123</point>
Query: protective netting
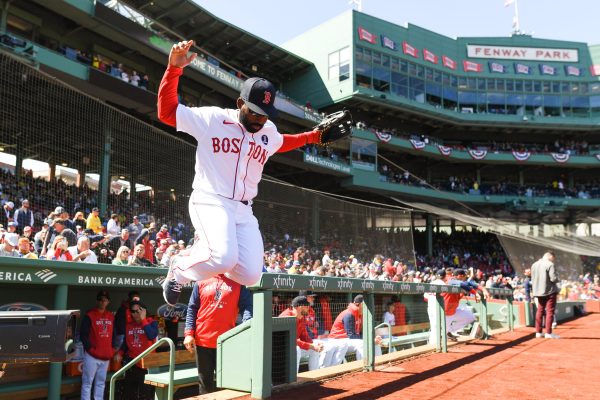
<point>291,217</point>
<point>79,153</point>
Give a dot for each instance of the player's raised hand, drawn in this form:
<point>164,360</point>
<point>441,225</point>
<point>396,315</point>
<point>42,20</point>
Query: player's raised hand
<point>178,57</point>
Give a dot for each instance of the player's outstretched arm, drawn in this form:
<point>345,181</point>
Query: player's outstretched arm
<point>167,91</point>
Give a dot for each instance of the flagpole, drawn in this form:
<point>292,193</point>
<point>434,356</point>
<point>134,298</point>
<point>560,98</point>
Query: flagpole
<point>517,27</point>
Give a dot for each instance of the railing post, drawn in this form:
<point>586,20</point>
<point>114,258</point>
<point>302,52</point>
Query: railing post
<point>510,313</point>
<point>262,346</point>
<point>55,376</point>
<point>441,324</point>
<point>483,321</point>
<point>369,331</point>
<point>530,313</point>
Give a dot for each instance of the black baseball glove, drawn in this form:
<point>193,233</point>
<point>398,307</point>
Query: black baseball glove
<point>335,126</point>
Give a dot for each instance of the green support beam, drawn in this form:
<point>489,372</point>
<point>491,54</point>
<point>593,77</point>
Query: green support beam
<point>104,183</point>
<point>441,325</point>
<point>262,344</point>
<point>369,331</point>
<point>55,378</point>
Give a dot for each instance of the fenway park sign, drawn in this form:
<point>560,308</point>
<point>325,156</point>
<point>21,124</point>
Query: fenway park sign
<point>523,53</point>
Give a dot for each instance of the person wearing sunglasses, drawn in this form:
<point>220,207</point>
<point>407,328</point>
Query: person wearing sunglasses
<point>140,333</point>
<point>233,147</point>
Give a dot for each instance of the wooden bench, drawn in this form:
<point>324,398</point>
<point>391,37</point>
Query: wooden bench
<point>157,364</point>
<point>30,381</point>
<point>400,335</point>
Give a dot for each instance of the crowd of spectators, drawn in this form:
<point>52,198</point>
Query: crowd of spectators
<point>57,221</point>
<point>468,185</point>
<point>560,146</point>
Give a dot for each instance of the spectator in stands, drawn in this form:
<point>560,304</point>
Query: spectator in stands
<point>12,227</point>
<point>38,239</point>
<point>347,328</point>
<point>138,258</point>
<point>163,234</point>
<point>124,76</point>
<point>25,249</point>
<point>115,243</point>
<point>113,227</point>
<point>81,252</point>
<point>93,221</point>
<point>144,82</point>
<point>62,213</point>
<point>27,232</point>
<point>59,251</point>
<point>122,257</point>
<point>23,216</point>
<point>144,239</point>
<point>135,229</point>
<point>79,220</point>
<point>158,256</point>
<point>9,247</point>
<point>140,334</point>
<point>318,356</point>
<point>58,229</point>
<point>123,317</point>
<point>134,79</point>
<point>7,214</point>
<point>212,310</point>
<point>96,334</point>
<point>545,291</point>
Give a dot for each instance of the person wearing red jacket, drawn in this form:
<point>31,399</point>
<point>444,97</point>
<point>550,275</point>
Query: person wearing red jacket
<point>347,328</point>
<point>140,333</point>
<point>318,353</point>
<point>96,335</point>
<point>212,310</point>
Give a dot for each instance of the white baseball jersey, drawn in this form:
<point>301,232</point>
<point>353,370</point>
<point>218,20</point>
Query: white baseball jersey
<point>229,160</point>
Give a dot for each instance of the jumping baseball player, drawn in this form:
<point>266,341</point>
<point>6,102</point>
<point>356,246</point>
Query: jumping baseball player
<point>233,147</point>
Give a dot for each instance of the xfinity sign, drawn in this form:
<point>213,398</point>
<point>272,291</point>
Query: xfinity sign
<point>523,53</point>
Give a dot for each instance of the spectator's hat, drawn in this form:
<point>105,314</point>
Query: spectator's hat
<point>27,228</point>
<point>48,221</point>
<point>101,294</point>
<point>59,210</point>
<point>358,299</point>
<point>259,96</point>
<point>88,231</point>
<point>10,204</point>
<point>299,301</point>
<point>12,239</point>
<point>95,209</point>
<point>164,227</point>
<point>135,217</point>
<point>459,271</point>
<point>12,223</point>
<point>441,273</point>
<point>24,201</point>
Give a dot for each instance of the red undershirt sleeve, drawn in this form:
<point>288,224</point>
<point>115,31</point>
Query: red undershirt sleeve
<point>291,142</point>
<point>167,96</point>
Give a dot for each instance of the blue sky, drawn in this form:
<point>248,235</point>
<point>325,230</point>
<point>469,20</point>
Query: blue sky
<point>280,20</point>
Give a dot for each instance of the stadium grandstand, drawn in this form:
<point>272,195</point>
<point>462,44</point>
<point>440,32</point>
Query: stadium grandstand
<point>477,153</point>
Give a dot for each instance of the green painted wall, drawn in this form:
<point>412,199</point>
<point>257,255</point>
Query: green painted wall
<point>315,45</point>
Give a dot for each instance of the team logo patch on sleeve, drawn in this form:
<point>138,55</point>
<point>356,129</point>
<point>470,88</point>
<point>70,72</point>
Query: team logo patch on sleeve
<point>264,139</point>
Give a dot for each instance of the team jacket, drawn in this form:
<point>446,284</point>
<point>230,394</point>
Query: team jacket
<point>213,309</point>
<point>138,337</point>
<point>348,324</point>
<point>96,333</point>
<point>303,340</point>
<point>451,300</point>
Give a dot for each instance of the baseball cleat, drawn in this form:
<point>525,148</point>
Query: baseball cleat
<point>171,288</point>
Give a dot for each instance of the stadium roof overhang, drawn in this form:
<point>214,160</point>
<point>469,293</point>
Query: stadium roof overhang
<point>225,41</point>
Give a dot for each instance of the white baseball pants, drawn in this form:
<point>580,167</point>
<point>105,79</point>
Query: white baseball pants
<point>459,320</point>
<point>227,241</point>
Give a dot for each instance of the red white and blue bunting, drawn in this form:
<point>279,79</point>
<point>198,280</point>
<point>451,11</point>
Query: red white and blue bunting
<point>418,144</point>
<point>478,154</point>
<point>383,136</point>
<point>521,155</point>
<point>560,157</point>
<point>446,151</point>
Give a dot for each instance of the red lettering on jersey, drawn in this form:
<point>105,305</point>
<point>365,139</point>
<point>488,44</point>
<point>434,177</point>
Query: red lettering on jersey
<point>256,152</point>
<point>263,156</point>
<point>267,98</point>
<point>235,143</point>
<point>252,144</point>
<point>216,145</point>
<point>226,145</point>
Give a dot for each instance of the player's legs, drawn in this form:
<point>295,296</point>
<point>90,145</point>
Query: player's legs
<point>215,249</point>
<point>250,247</point>
<point>460,319</point>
